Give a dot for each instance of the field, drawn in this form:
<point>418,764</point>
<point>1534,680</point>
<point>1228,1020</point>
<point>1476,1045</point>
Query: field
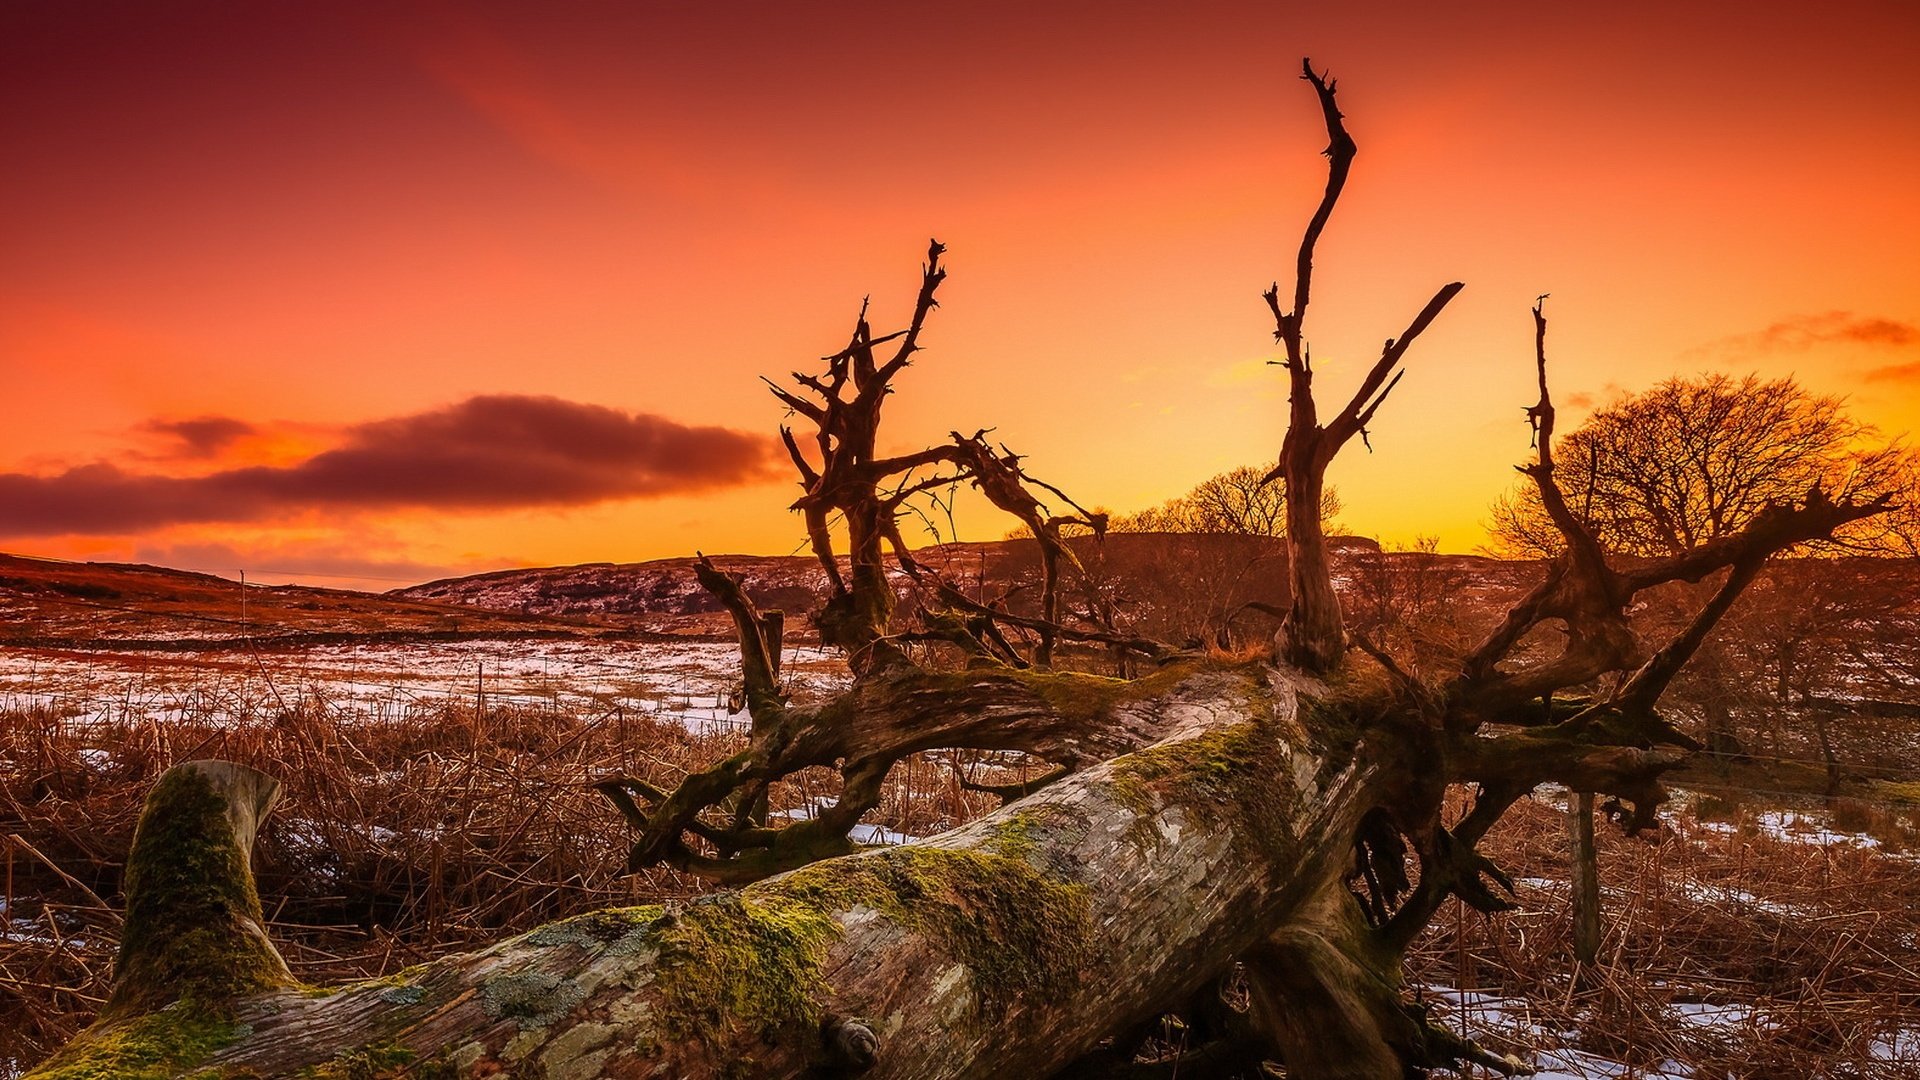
<point>436,761</point>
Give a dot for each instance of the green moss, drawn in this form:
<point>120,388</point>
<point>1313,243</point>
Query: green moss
<point>741,962</point>
<point>1080,696</point>
<point>1338,714</point>
<point>192,943</point>
<point>163,1045</point>
<point>193,926</point>
<point>620,929</point>
<point>1017,930</point>
<point>404,979</point>
<point>1332,727</point>
<point>1234,777</point>
<point>751,961</point>
<point>1019,836</point>
<point>1189,770</point>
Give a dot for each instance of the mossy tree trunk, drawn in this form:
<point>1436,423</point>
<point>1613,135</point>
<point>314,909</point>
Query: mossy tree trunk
<point>1223,829</point>
<point>1007,947</point>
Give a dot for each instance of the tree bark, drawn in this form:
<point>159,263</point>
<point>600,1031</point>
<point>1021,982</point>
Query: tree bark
<point>1584,879</point>
<point>1008,947</point>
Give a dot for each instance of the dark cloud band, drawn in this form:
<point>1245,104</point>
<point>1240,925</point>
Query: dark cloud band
<point>1805,331</point>
<point>202,436</point>
<point>485,453</point>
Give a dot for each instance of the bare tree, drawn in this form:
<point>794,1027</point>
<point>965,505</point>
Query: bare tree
<point>1238,502</point>
<point>1214,812</point>
<point>1198,568</point>
<point>1693,461</point>
<point>1696,459</point>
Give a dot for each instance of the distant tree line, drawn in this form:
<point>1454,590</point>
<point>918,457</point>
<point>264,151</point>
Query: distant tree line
<point>1814,663</point>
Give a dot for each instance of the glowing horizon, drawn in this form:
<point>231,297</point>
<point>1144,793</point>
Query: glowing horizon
<point>281,288</point>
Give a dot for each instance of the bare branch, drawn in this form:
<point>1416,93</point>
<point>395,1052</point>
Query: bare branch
<point>1143,646</point>
<point>1527,759</point>
<point>1580,588</point>
<point>1774,529</point>
<point>1009,792</point>
<point>798,404</point>
<point>808,476</point>
<point>931,483</point>
<point>1588,559</point>
<point>1650,681</point>
<point>1340,151</point>
<point>1361,407</point>
<point>931,277</point>
<point>933,455</point>
<point>1312,635</point>
<point>759,635</point>
<point>861,342</point>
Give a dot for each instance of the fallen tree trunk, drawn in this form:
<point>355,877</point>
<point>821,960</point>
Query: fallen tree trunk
<point>1010,946</point>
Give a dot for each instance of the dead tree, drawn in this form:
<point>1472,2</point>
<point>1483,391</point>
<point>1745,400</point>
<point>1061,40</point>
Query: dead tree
<point>1312,637</point>
<point>1214,812</point>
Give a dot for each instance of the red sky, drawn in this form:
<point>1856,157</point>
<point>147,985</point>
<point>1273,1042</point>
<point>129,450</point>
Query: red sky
<point>398,289</point>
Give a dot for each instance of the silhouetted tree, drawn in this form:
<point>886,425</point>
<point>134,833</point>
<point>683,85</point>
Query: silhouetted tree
<point>1238,502</point>
<point>1693,460</point>
<point>1696,459</point>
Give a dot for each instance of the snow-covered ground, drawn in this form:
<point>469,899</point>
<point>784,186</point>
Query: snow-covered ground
<point>1696,1014</point>
<point>1486,1015</point>
<point>688,682</point>
<point>861,833</point>
<point>1797,827</point>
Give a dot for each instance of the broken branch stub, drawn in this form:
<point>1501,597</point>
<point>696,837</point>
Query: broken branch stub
<point>194,926</point>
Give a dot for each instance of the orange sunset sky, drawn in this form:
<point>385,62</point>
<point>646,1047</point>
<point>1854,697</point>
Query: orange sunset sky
<point>396,290</point>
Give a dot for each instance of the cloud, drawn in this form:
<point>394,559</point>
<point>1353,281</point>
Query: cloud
<point>1895,373</point>
<point>201,436</point>
<point>486,453</point>
<point>1803,332</point>
<point>1587,399</point>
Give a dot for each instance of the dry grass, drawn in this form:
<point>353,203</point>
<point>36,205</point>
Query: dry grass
<point>438,826</point>
<point>443,825</point>
<point>396,840</point>
<point>1731,946</point>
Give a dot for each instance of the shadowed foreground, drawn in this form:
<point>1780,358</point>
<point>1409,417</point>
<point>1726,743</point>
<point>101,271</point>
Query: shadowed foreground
<point>1013,943</point>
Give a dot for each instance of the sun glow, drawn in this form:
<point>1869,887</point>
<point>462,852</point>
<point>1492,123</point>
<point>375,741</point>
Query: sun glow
<point>303,224</point>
